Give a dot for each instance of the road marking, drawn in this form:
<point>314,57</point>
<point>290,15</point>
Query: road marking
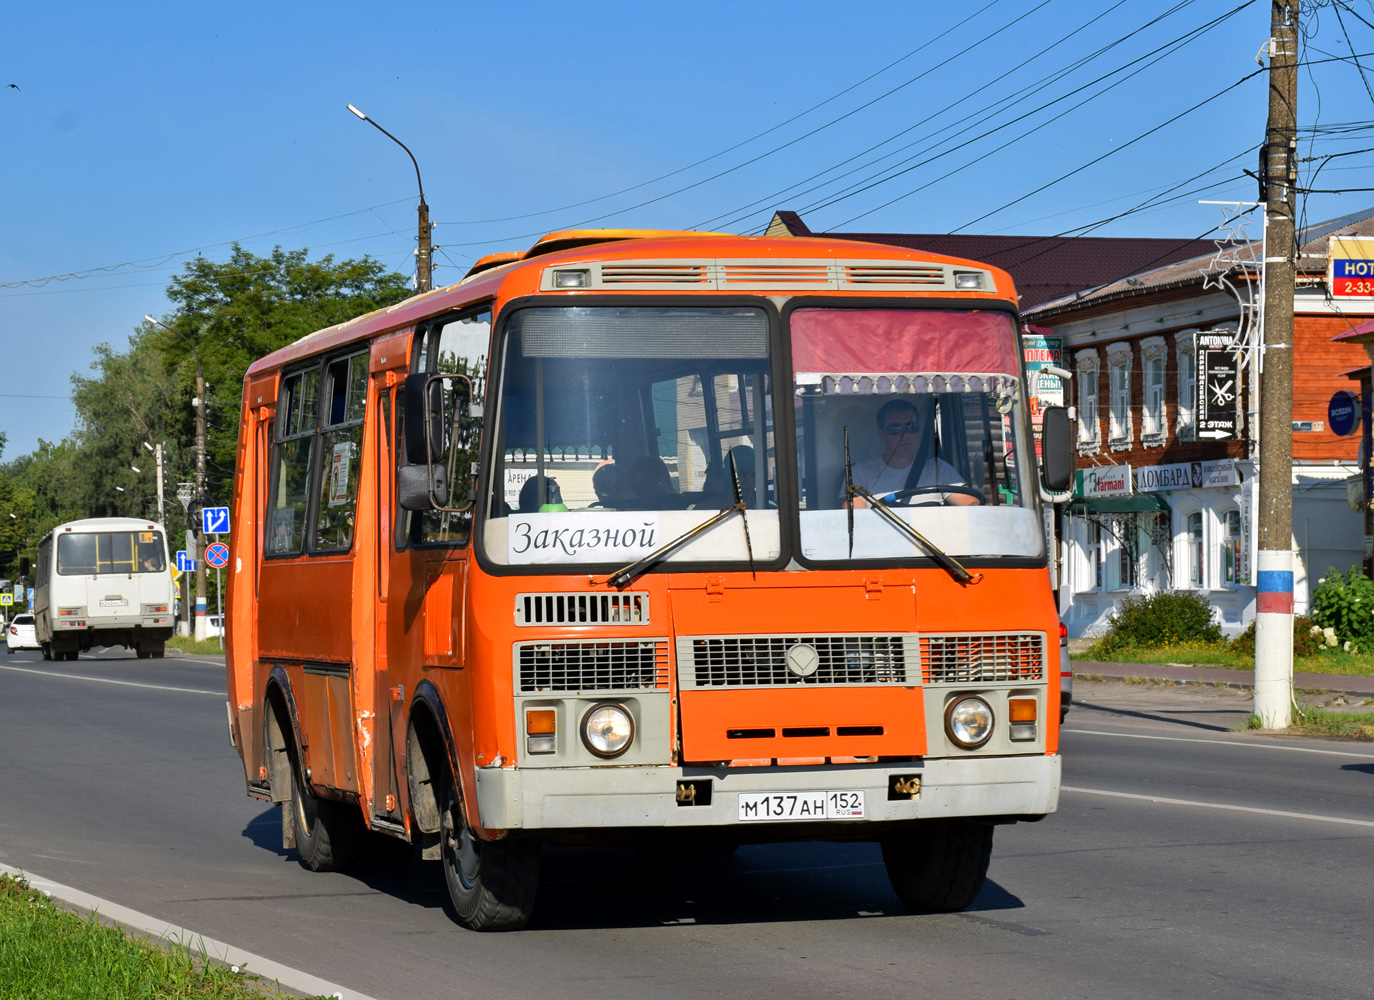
<point>226,953</point>
<point>1219,805</point>
<point>1223,743</point>
<point>111,680</point>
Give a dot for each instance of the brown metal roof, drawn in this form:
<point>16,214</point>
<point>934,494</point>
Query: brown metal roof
<point>1044,267</point>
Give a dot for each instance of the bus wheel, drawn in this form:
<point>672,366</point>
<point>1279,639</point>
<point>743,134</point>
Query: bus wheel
<point>325,837</point>
<point>73,654</point>
<point>492,883</point>
<point>47,651</point>
<point>142,654</point>
<point>941,867</point>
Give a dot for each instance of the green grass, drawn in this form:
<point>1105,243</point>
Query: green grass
<point>1201,654</point>
<point>1319,722</point>
<point>48,953</point>
<point>185,644</point>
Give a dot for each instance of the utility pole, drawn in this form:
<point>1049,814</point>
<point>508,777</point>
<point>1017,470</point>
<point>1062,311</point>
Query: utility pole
<point>1274,565</point>
<point>200,502</point>
<point>196,550</point>
<point>161,501</point>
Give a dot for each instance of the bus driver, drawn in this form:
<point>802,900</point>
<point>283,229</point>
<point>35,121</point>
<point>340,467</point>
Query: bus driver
<point>903,433</point>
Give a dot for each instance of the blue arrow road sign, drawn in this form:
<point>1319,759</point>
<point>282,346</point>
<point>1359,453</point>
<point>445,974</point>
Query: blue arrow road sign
<point>184,562</point>
<point>217,555</point>
<point>215,520</point>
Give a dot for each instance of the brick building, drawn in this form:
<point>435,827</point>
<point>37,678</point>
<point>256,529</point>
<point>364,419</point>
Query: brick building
<point>1178,511</point>
<point>1158,506</point>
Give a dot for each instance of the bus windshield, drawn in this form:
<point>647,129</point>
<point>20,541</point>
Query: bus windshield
<point>927,401</point>
<point>93,552</point>
<point>621,427</point>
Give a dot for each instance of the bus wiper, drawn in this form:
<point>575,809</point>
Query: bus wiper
<point>623,576</point>
<point>948,564</point>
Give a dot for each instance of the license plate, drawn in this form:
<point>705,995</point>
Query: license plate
<point>777,806</point>
<point>114,604</point>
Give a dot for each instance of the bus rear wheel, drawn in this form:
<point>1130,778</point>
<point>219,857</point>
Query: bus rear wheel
<point>326,835</point>
<point>492,884</point>
<point>941,867</point>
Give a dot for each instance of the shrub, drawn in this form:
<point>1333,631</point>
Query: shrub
<point>1161,619</point>
<point>1304,642</point>
<point>1344,602</point>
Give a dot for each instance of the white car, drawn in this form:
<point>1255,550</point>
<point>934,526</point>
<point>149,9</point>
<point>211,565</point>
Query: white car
<point>20,634</point>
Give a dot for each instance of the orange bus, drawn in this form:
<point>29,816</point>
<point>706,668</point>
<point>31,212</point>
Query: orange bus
<point>651,537</point>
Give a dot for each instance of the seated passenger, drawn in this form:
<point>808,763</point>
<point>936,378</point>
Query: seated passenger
<point>606,484</point>
<point>532,503</point>
<point>649,479</point>
<point>905,438</point>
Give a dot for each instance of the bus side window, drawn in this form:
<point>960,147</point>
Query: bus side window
<point>288,498</point>
<point>341,452</point>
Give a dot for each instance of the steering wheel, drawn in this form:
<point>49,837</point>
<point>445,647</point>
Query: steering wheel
<point>901,498</point>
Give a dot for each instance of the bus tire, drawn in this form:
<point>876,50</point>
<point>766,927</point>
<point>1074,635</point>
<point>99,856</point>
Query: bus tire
<point>142,654</point>
<point>941,867</point>
<point>73,654</point>
<point>47,651</point>
<point>326,835</point>
<point>491,884</point>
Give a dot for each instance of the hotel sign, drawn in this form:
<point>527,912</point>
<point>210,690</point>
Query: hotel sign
<point>1350,267</point>
<point>1187,476</point>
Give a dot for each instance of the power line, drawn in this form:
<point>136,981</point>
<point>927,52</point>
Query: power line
<point>159,261</point>
<point>790,142</point>
<point>1116,149</point>
<point>738,145</point>
<point>1173,44</point>
<point>779,193</point>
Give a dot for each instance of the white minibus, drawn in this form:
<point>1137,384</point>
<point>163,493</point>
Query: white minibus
<point>103,582</point>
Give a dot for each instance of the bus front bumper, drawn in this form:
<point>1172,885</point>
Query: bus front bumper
<point>638,797</point>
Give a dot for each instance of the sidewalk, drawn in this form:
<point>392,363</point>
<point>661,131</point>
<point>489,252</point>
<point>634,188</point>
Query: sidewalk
<point>1339,683</point>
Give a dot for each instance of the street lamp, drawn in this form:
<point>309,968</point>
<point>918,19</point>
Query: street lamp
<point>423,258</point>
<point>200,474</point>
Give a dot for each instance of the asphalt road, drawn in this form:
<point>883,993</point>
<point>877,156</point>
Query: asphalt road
<point>131,791</point>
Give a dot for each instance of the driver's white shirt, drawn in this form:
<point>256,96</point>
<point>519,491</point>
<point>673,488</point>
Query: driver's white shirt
<point>880,479</point>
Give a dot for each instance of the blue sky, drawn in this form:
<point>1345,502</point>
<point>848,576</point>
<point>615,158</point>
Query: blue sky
<point>144,133</point>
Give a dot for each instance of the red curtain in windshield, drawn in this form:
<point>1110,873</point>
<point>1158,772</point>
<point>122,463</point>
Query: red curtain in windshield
<point>902,340</point>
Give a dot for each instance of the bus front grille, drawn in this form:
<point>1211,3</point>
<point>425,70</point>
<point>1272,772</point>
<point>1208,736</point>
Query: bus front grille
<point>974,659</point>
<point>632,665</point>
<point>628,608</point>
<point>706,662</point>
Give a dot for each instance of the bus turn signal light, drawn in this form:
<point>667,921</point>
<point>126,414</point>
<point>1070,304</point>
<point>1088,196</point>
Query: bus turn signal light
<point>541,730</point>
<point>1022,712</point>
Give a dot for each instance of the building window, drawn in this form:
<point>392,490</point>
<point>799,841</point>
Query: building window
<point>1123,567</point>
<point>1231,560</point>
<point>1089,433</point>
<point>1196,552</point>
<point>1153,427</point>
<point>1187,385</point>
<point>1119,429</point>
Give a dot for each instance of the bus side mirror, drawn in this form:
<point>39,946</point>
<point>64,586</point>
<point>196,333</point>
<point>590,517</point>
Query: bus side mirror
<point>1056,449</point>
<point>421,487</point>
<point>423,414</point>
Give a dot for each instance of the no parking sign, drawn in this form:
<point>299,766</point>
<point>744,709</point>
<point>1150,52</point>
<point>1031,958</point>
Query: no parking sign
<point>217,555</point>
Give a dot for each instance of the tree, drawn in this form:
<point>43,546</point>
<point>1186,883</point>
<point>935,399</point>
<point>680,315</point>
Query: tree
<point>233,313</point>
<point>228,313</point>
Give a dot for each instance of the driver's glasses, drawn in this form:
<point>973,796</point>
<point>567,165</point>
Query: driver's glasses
<point>911,427</point>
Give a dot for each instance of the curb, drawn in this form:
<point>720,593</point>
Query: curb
<point>214,951</point>
<point>1309,683</point>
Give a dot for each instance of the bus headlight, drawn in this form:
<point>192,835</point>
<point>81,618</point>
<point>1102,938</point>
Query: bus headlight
<point>608,729</point>
<point>968,722</point>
